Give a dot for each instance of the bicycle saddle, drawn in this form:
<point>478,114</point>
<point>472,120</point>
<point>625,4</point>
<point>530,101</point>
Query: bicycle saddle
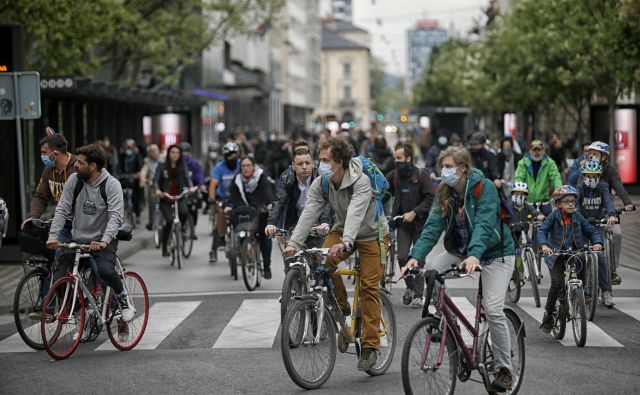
<point>124,232</point>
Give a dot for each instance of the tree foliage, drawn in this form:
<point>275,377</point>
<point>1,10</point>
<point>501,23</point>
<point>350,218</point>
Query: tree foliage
<point>119,38</point>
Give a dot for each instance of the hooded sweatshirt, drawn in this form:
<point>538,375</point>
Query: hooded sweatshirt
<point>92,219</point>
<point>355,210</point>
<point>50,187</point>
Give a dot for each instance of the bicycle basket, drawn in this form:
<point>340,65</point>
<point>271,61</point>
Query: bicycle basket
<point>33,241</point>
<point>246,223</point>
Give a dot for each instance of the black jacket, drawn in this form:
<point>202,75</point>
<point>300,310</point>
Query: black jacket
<point>412,193</point>
<point>262,195</point>
<point>485,161</point>
<point>500,159</point>
<point>286,197</point>
<point>161,180</point>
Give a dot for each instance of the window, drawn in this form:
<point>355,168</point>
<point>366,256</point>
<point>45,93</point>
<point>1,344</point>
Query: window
<point>346,92</point>
<point>346,69</point>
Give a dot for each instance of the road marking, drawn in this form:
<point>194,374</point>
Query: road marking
<point>596,337</point>
<point>5,319</point>
<point>14,343</point>
<point>254,325</point>
<point>468,310</point>
<point>164,317</point>
<point>629,306</point>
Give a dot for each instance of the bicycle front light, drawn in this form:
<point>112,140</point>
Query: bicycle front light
<point>242,234</point>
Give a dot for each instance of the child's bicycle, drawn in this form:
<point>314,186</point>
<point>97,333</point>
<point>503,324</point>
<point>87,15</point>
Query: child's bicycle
<point>73,313</point>
<point>314,327</point>
<point>435,354</point>
<point>570,305</point>
<point>526,268</point>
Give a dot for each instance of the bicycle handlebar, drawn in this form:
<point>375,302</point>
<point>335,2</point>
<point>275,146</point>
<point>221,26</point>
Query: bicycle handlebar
<point>73,246</point>
<point>176,197</point>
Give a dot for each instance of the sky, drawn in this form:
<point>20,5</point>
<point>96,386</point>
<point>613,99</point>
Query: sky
<point>388,21</point>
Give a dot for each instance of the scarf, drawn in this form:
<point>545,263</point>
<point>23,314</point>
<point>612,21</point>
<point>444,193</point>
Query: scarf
<point>250,184</point>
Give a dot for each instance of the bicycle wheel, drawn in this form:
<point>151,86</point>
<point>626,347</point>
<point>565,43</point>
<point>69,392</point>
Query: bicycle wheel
<point>591,286</point>
<point>559,320</point>
<point>27,306</point>
<point>578,317</point>
<point>309,364</point>
<point>516,336</point>
<point>530,261</point>
<point>187,238</point>
<point>420,373</point>
<point>388,338</point>
<point>62,319</point>
<point>249,262</point>
<point>294,285</point>
<point>126,335</point>
<point>158,222</point>
<point>610,254</point>
<point>513,288</point>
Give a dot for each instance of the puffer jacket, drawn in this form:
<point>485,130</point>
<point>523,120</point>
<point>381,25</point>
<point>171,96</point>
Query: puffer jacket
<point>490,238</point>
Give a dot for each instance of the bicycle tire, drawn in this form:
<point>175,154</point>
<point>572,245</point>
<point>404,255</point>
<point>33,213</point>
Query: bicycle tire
<point>386,352</point>
<point>187,240</point>
<point>611,256</point>
<point>591,286</point>
<point>27,307</point>
<point>290,340</point>
<point>529,257</point>
<point>157,227</point>
<point>249,263</point>
<point>559,320</point>
<point>579,318</point>
<point>513,288</point>
<point>57,346</point>
<point>139,296</point>
<point>516,334</point>
<point>389,268</point>
<point>412,361</point>
<point>177,248</point>
<point>294,284</point>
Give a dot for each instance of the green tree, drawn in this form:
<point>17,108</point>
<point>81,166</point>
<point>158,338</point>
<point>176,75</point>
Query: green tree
<point>377,83</point>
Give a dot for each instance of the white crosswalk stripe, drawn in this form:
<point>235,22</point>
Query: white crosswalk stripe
<point>596,337</point>
<point>629,306</point>
<point>14,343</point>
<point>255,325</point>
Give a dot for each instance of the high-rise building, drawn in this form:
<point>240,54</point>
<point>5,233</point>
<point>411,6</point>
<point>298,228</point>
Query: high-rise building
<point>420,44</point>
<point>341,9</point>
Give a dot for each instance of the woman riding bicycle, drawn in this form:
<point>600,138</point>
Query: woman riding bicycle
<point>172,177</point>
<point>252,188</point>
<point>475,238</point>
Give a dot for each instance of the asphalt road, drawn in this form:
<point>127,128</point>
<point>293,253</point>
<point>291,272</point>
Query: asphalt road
<point>216,337</point>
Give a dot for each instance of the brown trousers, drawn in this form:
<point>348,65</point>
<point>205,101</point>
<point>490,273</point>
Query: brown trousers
<point>370,274</point>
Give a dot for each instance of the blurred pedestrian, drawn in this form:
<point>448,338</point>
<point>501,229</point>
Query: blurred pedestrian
<point>131,165</point>
<point>507,161</point>
<point>147,175</point>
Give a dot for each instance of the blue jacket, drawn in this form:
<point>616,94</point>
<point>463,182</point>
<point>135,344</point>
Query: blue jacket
<point>195,170</point>
<point>574,235</point>
<point>595,203</point>
<point>574,172</point>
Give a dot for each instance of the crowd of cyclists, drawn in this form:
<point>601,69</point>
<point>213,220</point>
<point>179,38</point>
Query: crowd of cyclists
<point>355,191</point>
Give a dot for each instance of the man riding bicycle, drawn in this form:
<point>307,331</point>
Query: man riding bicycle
<point>540,173</point>
<point>97,211</point>
<point>356,227</point>
<point>222,176</point>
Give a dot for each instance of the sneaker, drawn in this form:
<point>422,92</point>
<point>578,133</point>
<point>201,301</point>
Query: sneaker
<point>417,303</point>
<point>367,359</point>
<point>267,273</point>
<point>547,323</point>
<point>407,298</point>
<point>213,256</point>
<point>148,226</point>
<point>616,279</point>
<point>165,251</point>
<point>503,381</point>
<point>125,307</point>
<point>123,331</point>
<point>608,299</point>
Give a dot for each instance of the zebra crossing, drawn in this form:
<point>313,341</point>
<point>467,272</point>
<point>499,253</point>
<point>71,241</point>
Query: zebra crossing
<point>256,322</point>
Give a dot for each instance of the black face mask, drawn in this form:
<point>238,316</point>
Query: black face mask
<point>404,169</point>
<point>475,151</point>
<point>231,163</point>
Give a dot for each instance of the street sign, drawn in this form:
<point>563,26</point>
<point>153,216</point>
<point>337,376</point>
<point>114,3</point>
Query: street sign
<point>25,103</point>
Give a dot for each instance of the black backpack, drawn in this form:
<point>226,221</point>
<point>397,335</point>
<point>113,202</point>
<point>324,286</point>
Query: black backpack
<point>80,185</point>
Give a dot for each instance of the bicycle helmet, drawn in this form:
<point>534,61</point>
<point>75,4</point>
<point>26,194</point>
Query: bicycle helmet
<point>591,167</point>
<point>600,147</point>
<point>564,191</point>
<point>185,146</point>
<point>230,148</point>
<point>520,187</point>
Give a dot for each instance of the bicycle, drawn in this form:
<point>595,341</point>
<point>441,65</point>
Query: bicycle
<point>310,330</point>
<point>526,266</point>
<point>246,229</point>
<point>434,352</point>
<point>127,181</point>
<point>67,319</point>
<point>180,241</point>
<point>389,269</point>
<point>158,224</point>
<point>570,305</point>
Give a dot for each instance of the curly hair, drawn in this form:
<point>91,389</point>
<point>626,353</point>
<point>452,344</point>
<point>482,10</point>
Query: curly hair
<point>341,150</point>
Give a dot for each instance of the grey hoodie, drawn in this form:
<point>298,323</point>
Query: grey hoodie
<point>354,209</point>
<point>92,221</point>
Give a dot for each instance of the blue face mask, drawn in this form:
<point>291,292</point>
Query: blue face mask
<point>325,170</point>
<point>48,162</point>
<point>449,176</point>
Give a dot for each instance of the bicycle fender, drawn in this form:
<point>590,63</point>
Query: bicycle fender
<point>508,311</point>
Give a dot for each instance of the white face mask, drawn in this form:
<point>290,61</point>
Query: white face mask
<point>449,176</point>
<point>325,170</point>
<point>518,200</point>
<point>442,140</point>
<point>590,183</point>
<point>594,158</point>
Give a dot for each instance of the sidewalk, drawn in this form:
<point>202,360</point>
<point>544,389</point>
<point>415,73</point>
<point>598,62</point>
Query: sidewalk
<point>630,224</point>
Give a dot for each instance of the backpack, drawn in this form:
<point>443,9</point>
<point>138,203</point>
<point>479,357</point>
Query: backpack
<point>505,211</point>
<point>379,186</point>
<point>80,185</point>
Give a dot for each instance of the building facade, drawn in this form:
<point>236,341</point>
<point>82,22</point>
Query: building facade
<point>421,41</point>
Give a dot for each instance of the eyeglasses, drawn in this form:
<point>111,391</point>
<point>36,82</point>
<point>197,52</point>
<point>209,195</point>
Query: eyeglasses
<point>571,202</point>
